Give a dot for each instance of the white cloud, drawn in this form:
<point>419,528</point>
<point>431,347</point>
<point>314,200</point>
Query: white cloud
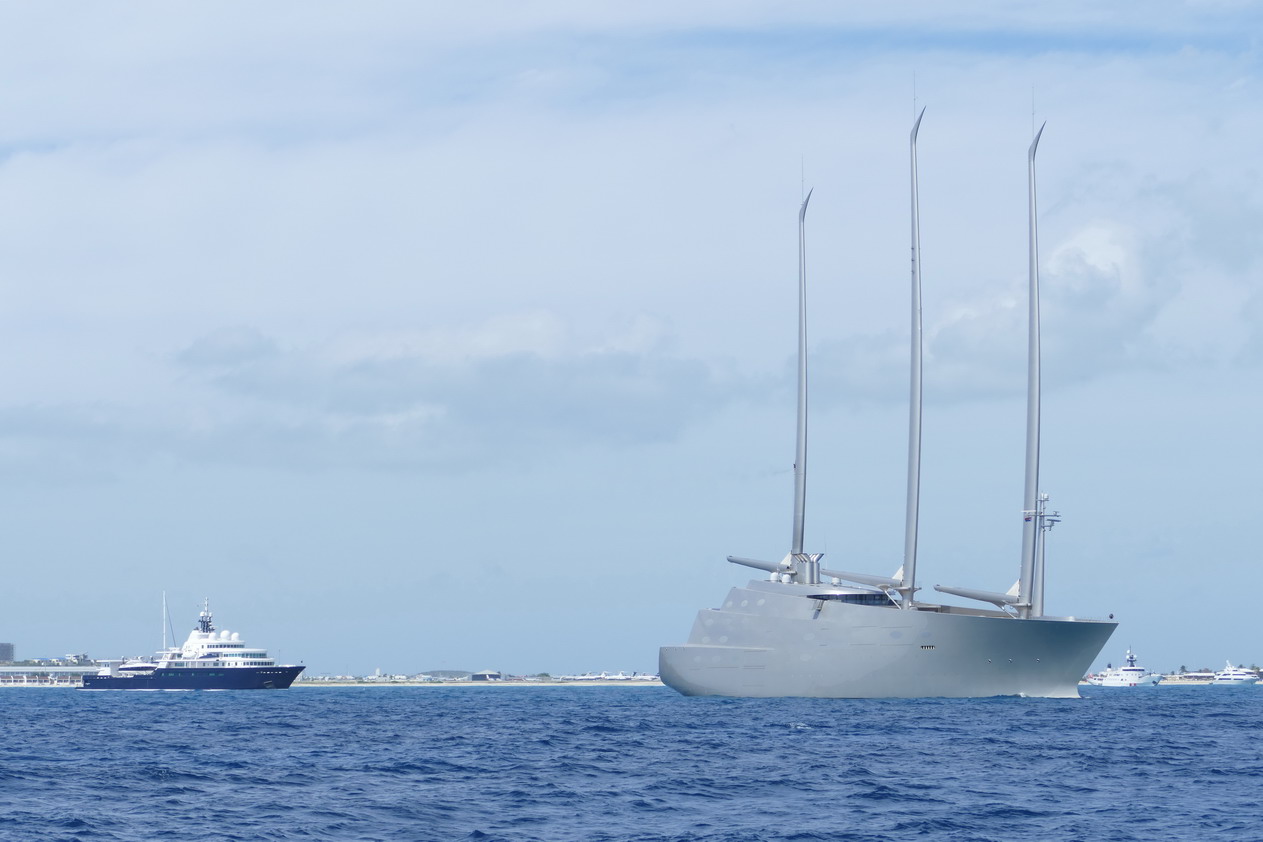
<point>537,333</point>
<point>228,346</point>
<point>515,387</point>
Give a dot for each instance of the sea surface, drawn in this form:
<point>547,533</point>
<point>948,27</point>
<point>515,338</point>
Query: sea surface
<point>627,763</point>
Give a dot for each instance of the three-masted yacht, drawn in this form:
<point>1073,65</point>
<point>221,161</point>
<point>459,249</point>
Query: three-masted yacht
<point>807,630</point>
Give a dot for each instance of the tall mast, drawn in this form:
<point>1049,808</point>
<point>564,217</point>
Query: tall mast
<point>1031,604</point>
<point>164,621</point>
<point>803,567</point>
<point>800,451</point>
<point>907,586</point>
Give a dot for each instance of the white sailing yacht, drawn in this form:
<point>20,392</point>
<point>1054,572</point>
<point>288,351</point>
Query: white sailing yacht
<point>803,632</point>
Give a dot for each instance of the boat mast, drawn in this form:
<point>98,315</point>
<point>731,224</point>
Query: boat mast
<point>164,621</point>
<point>1032,603</point>
<point>1047,520</point>
<point>800,450</point>
<point>803,567</point>
<point>907,586</point>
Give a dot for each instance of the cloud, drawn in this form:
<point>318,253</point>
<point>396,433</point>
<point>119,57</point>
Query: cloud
<point>517,387</point>
<point>510,384</point>
<point>228,347</point>
<point>353,239</point>
<point>1165,285</point>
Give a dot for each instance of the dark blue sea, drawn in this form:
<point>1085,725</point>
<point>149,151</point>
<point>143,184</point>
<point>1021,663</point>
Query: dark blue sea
<point>627,763</point>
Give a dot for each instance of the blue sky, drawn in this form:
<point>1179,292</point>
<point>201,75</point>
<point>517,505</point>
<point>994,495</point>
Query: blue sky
<point>419,337</point>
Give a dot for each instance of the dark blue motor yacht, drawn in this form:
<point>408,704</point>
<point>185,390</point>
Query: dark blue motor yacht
<point>208,660</point>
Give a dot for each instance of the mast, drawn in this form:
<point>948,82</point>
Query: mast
<point>170,627</point>
<point>804,567</point>
<point>204,623</point>
<point>164,621</point>
<point>1047,520</point>
<point>800,450</point>
<point>907,586</point>
<point>1028,607</point>
<point>1037,574</point>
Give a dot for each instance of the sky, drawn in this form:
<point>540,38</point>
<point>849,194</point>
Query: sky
<point>460,336</point>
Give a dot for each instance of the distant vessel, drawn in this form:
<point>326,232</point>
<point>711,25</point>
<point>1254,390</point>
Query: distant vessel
<point>605,676</point>
<point>1231,676</point>
<point>795,634</point>
<point>1128,675</point>
<point>208,660</point>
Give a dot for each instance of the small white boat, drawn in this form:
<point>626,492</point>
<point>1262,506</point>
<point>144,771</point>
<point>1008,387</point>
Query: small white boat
<point>1129,675</point>
<point>1231,676</point>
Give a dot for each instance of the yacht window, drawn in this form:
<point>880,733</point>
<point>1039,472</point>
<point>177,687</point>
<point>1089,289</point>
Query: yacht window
<point>857,598</point>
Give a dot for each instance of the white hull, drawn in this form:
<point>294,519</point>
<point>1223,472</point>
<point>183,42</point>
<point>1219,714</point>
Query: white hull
<point>1231,676</point>
<point>1130,675</point>
<point>1146,680</point>
<point>772,639</point>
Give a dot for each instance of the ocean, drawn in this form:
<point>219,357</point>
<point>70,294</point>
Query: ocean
<point>627,763</point>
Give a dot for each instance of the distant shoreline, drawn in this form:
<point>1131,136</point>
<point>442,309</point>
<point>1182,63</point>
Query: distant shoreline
<point>383,684</point>
<point>319,684</point>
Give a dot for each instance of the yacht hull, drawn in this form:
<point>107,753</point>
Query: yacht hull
<point>773,640</point>
<point>201,678</point>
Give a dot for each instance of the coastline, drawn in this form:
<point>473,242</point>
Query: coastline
<point>437,684</point>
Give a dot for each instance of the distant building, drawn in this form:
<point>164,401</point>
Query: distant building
<point>6,653</point>
<point>486,675</point>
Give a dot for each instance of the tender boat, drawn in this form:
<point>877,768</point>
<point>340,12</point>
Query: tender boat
<point>807,630</point>
<point>208,660</point>
<point>1231,676</point>
<point>1128,675</point>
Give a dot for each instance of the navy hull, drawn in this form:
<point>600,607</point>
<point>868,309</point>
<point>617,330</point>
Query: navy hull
<point>202,678</point>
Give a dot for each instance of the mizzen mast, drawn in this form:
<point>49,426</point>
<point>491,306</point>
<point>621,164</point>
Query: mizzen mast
<point>1030,591</point>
